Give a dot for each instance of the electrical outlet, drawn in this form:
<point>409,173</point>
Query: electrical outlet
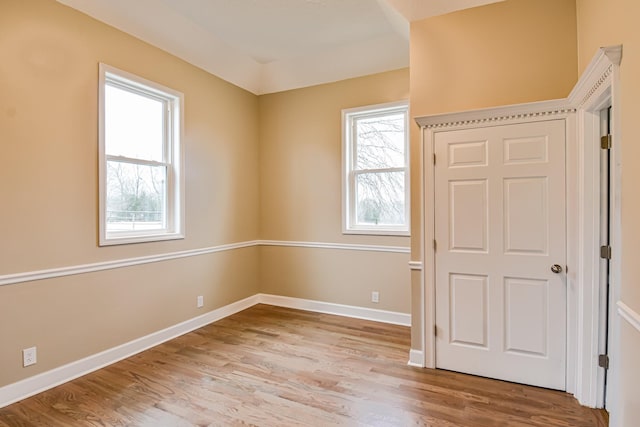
<point>200,302</point>
<point>375,296</point>
<point>29,356</point>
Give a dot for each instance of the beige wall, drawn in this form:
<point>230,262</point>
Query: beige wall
<point>49,57</point>
<point>301,156</point>
<point>337,276</point>
<point>504,53</point>
<point>237,145</point>
<point>604,24</point>
<point>300,197</point>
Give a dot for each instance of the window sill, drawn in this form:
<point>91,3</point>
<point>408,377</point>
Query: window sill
<point>374,232</point>
<point>125,240</point>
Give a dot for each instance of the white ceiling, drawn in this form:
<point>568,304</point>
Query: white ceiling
<point>268,46</point>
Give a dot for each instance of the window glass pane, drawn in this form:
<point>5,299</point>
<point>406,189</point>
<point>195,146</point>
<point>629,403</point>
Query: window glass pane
<point>380,142</point>
<point>380,198</point>
<point>133,125</point>
<point>135,197</point>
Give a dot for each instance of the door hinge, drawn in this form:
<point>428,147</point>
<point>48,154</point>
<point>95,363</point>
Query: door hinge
<point>605,252</point>
<point>434,158</point>
<point>435,245</point>
<point>605,142</point>
<point>603,361</point>
<point>435,330</point>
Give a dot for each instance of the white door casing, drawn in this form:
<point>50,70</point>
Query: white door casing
<point>499,227</point>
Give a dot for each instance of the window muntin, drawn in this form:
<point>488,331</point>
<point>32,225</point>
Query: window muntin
<point>140,172</point>
<point>376,197</point>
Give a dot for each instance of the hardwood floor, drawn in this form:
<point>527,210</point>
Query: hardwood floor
<point>271,366</point>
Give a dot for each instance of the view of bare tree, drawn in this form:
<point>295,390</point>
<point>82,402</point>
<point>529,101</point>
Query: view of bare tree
<point>135,195</point>
<point>379,170</point>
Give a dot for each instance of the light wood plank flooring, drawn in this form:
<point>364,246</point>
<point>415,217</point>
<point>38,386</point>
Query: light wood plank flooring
<point>270,366</point>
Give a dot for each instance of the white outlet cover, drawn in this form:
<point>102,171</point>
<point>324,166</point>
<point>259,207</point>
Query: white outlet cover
<point>29,356</point>
<point>200,301</point>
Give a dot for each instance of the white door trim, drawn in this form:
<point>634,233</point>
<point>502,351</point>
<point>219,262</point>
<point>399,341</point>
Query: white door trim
<point>587,201</point>
<point>597,89</point>
<point>597,82</point>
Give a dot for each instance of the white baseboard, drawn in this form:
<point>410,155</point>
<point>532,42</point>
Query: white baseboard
<point>38,383</point>
<point>376,315</point>
<point>416,358</point>
<point>33,385</point>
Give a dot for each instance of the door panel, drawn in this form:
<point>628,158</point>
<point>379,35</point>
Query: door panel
<point>500,226</point>
<point>527,309</point>
<point>525,150</point>
<point>465,154</point>
<point>526,217</point>
<point>468,233</point>
<point>468,310</point>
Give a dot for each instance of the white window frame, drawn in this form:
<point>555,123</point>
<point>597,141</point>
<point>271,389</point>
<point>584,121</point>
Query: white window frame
<point>174,204</point>
<point>349,145</point>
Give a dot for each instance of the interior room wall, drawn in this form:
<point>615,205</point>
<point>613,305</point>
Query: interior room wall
<point>611,23</point>
<point>271,168</point>
<point>301,193</point>
<point>48,182</point>
<point>505,53</point>
<point>49,57</point>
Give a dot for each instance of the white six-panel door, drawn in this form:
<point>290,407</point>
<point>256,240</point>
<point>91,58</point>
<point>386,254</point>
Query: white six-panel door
<point>499,229</point>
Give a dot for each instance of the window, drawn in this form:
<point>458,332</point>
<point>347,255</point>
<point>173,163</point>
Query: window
<point>140,173</point>
<point>376,172</point>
